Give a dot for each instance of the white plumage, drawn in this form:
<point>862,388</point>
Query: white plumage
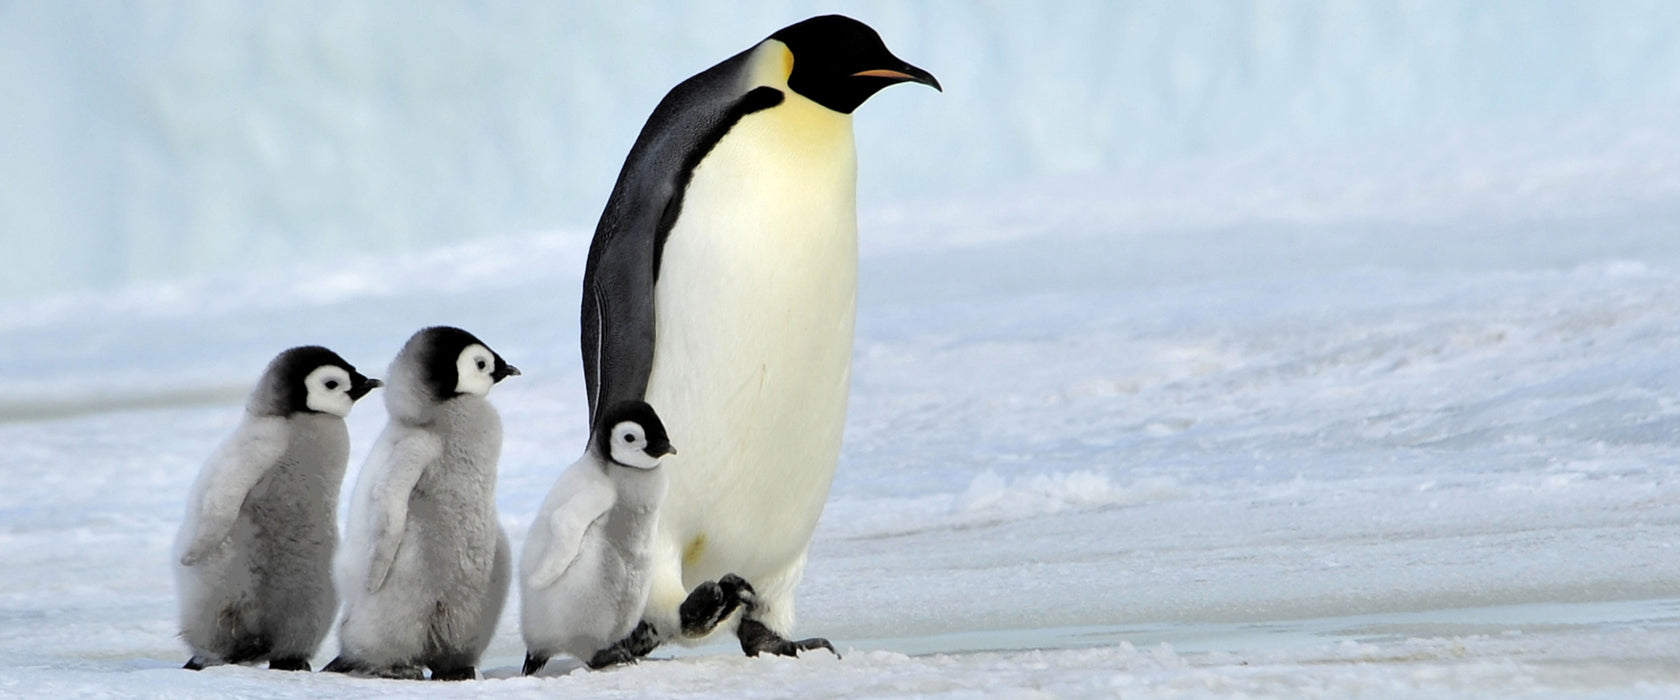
<point>583,574</point>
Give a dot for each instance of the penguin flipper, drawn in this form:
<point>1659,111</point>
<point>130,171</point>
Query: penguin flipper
<point>617,321</point>
<point>586,502</point>
<point>405,462</point>
<point>232,470</point>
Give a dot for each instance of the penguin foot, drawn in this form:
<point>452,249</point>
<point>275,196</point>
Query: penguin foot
<point>355,667</point>
<point>197,663</point>
<point>344,665</point>
<point>249,649</point>
<point>402,672</point>
<point>712,602</point>
<point>462,673</point>
<point>757,638</point>
<point>289,664</point>
<point>612,656</point>
<point>533,664</point>
<point>641,642</point>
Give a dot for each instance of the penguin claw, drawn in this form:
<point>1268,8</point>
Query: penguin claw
<point>756,639</point>
<point>612,656</point>
<point>641,642</point>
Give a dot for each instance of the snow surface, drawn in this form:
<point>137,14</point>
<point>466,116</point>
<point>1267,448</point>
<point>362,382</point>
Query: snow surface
<point>1398,420</point>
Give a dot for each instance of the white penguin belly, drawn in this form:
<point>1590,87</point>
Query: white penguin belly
<point>755,307</point>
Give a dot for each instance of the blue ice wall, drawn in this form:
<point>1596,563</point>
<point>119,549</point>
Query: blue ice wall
<point>146,140</point>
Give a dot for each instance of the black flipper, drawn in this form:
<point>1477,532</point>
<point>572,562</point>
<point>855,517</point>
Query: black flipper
<point>197,663</point>
<point>616,319</point>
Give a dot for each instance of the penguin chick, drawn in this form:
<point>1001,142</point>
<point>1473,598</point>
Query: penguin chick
<point>425,566</point>
<point>583,575</point>
<point>253,559</point>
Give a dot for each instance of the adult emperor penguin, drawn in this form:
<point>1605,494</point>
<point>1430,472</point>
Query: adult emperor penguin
<point>584,571</point>
<point>254,556</point>
<point>425,566</point>
<point>721,286</point>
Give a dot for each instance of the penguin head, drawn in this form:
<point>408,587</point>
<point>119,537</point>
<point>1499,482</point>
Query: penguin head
<point>634,435</point>
<point>839,62</point>
<point>310,379</point>
<point>447,362</point>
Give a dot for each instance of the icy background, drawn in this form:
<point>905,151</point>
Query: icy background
<point>1358,394</point>
<point>147,139</point>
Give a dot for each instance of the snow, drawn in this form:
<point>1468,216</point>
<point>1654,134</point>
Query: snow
<point>1394,423</point>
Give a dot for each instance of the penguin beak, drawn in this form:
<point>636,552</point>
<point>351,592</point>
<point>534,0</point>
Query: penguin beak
<point>661,449</point>
<point>903,73</point>
<point>360,389</point>
<point>505,371</point>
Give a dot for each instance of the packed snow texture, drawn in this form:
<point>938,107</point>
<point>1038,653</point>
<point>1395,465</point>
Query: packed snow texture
<point>147,139</point>
<point>1398,421</point>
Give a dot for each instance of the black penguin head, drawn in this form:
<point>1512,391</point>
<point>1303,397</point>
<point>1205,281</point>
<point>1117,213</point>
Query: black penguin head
<point>633,435</point>
<point>310,379</point>
<point>839,62</point>
<point>453,363</point>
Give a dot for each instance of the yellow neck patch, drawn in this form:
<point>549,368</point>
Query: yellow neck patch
<point>771,64</point>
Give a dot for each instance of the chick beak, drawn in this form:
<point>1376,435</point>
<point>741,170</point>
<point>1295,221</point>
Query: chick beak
<point>358,390</point>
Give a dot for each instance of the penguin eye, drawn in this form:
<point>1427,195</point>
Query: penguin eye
<point>629,438</point>
<point>481,364</point>
<point>332,383</point>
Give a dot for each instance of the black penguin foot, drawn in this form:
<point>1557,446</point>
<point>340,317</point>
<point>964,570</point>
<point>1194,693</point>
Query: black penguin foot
<point>614,655</point>
<point>402,672</point>
<point>197,663</point>
<point>757,638</point>
<point>343,664</point>
<point>357,667</point>
<point>289,664</point>
<point>713,602</point>
<point>533,664</point>
<point>641,642</point>
<point>460,673</point>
